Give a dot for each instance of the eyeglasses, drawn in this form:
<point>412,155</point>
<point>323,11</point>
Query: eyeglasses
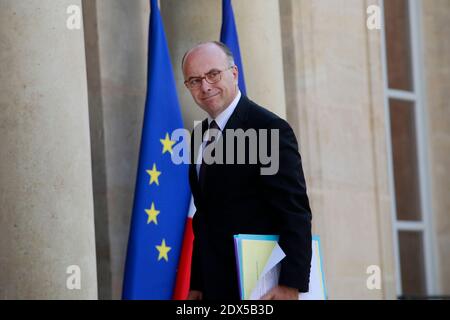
<point>211,77</point>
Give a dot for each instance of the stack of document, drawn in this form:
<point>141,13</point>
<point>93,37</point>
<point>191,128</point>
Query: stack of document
<point>258,260</point>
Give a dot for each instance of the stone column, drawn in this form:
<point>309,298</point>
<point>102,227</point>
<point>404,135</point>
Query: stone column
<point>190,22</point>
<point>46,221</point>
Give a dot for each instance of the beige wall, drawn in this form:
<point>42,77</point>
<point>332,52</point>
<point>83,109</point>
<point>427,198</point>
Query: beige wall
<point>436,42</point>
<point>312,62</point>
<point>334,90</point>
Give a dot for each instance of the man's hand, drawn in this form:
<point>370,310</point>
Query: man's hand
<point>281,293</point>
<point>195,295</point>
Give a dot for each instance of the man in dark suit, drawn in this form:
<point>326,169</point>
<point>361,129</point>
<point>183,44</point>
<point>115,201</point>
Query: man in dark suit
<point>233,198</point>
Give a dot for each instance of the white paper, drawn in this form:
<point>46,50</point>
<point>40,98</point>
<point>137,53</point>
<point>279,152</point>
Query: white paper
<point>269,276</point>
<point>271,272</point>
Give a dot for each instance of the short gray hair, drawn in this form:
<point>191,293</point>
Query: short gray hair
<point>221,45</point>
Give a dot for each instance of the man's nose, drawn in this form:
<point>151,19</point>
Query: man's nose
<point>206,86</point>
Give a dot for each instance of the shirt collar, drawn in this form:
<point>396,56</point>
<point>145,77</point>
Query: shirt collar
<point>223,117</point>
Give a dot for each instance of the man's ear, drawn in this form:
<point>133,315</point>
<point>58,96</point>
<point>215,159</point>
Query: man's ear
<point>236,73</point>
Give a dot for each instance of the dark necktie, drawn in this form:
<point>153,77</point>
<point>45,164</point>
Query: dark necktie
<point>204,166</point>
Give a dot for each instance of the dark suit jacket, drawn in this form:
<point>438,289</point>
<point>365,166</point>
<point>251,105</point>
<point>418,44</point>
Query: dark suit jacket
<point>237,199</point>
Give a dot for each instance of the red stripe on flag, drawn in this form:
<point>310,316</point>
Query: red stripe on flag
<point>184,267</point>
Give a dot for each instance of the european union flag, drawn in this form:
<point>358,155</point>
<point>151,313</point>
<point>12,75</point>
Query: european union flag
<point>162,194</point>
<point>229,36</point>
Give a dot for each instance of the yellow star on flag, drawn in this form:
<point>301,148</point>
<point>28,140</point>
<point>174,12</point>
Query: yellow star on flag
<point>163,250</point>
<point>152,214</point>
<point>154,174</point>
<point>167,144</point>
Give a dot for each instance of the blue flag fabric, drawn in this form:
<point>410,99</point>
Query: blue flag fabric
<point>229,36</point>
<point>162,194</point>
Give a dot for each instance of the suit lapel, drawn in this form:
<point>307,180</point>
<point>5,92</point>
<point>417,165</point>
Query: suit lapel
<point>239,116</point>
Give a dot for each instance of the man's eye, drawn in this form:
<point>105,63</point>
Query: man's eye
<point>194,82</point>
<point>213,74</point>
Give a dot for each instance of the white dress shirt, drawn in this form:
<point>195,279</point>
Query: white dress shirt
<point>221,121</point>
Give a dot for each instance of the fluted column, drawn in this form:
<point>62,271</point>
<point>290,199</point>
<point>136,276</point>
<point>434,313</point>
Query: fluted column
<point>47,245</point>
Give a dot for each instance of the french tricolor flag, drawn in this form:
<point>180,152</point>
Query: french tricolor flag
<point>184,265</point>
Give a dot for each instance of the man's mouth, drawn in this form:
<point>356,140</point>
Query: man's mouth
<point>210,97</point>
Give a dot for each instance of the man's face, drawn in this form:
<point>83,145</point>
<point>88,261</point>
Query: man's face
<point>213,98</point>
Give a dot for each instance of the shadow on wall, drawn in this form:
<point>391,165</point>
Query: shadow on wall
<point>116,57</point>
<point>97,144</point>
